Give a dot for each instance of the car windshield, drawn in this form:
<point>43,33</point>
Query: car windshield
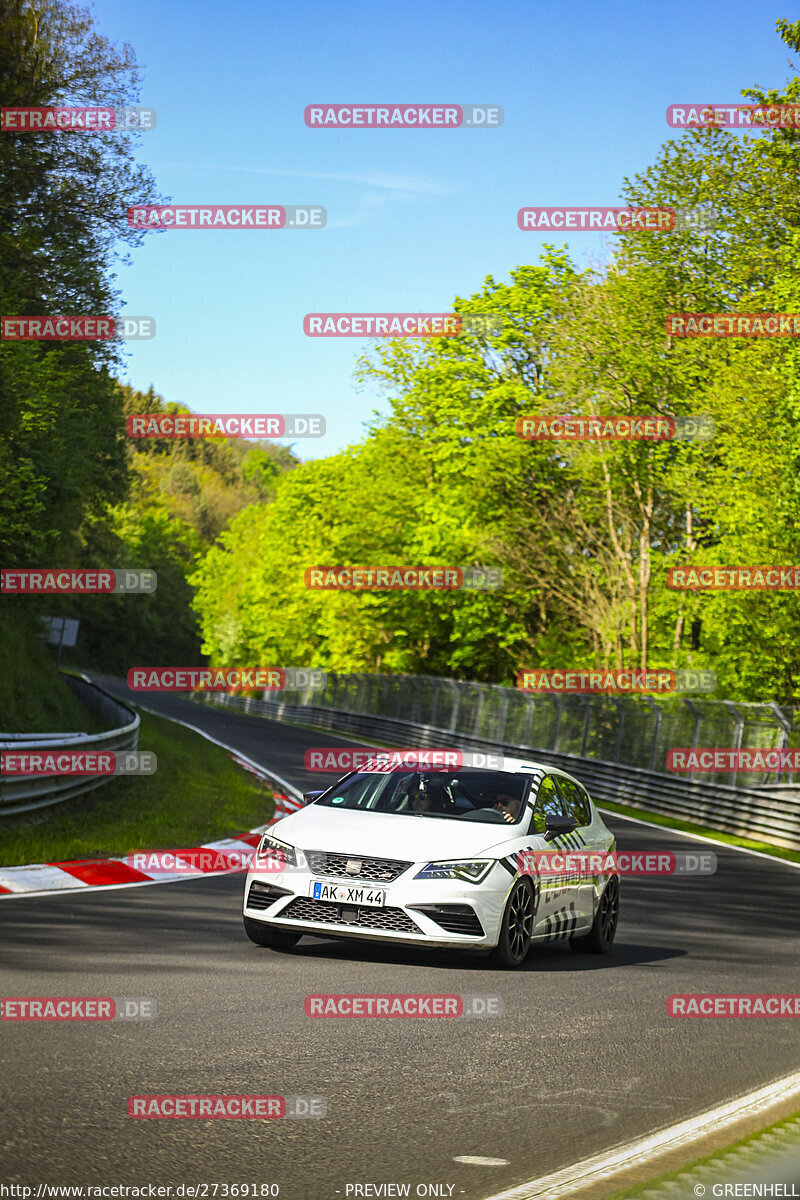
<point>493,796</point>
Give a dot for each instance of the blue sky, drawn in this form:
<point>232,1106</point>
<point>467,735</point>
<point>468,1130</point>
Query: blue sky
<point>414,217</point>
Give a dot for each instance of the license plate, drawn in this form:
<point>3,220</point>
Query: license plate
<point>348,894</point>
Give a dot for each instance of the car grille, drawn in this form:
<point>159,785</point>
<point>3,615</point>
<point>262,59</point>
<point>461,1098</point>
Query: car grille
<point>305,909</point>
<point>262,895</point>
<point>378,870</point>
<point>455,918</point>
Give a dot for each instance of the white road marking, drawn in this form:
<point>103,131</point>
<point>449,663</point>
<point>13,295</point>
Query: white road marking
<point>602,1167</point>
<point>475,1160</point>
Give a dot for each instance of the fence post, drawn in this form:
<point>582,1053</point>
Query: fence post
<point>435,705</point>
<point>456,706</point>
<point>737,737</point>
<point>620,726</point>
<point>453,695</point>
<point>698,716</point>
<point>654,748</point>
<point>478,709</point>
<point>396,693</point>
<point>416,711</point>
<point>554,696</point>
<point>586,723</point>
<point>526,736</point>
<point>786,727</point>
<point>505,698</point>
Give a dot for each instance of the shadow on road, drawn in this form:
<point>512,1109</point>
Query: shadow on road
<point>553,957</point>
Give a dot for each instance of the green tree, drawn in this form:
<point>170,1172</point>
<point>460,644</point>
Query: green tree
<point>63,199</point>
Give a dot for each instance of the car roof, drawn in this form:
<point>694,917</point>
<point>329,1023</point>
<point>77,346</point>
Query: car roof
<point>526,765</point>
<point>511,765</point>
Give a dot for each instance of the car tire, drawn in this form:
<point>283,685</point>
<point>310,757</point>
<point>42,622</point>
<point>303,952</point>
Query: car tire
<point>600,937</point>
<point>265,935</point>
<point>516,928</point>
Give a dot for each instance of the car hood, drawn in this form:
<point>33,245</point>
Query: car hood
<point>390,835</point>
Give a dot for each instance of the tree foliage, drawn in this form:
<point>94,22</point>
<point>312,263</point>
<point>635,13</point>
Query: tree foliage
<point>584,531</point>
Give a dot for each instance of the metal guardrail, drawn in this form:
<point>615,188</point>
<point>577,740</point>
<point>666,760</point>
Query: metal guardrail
<point>26,793</point>
<point>514,724</point>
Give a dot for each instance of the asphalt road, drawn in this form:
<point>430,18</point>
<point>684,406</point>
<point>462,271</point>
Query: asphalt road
<point>584,1057</point>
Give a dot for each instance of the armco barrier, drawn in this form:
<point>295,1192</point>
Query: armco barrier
<point>769,813</point>
<point>25,793</point>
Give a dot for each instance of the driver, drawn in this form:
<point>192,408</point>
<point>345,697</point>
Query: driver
<point>419,798</point>
<point>508,807</point>
<point>420,801</point>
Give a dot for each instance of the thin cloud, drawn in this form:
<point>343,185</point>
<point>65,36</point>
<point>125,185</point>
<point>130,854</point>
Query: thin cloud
<point>410,185</point>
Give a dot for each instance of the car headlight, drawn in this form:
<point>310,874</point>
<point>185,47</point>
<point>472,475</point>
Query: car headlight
<point>271,847</point>
<point>472,870</point>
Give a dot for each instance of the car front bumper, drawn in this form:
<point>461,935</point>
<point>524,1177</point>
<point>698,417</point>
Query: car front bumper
<point>432,912</point>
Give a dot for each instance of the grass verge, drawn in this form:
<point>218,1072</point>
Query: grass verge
<point>196,795</point>
<point>754,1152</point>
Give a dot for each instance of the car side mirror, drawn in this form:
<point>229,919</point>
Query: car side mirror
<point>310,797</point>
<point>556,824</point>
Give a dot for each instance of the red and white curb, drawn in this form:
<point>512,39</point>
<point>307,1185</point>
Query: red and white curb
<point>226,857</point>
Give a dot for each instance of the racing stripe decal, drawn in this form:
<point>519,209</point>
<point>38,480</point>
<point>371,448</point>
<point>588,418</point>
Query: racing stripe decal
<point>563,922</point>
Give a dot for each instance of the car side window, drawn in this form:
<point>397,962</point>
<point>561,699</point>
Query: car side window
<point>548,800</point>
<point>577,801</point>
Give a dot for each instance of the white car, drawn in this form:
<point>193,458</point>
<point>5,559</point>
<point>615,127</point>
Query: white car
<point>433,858</point>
